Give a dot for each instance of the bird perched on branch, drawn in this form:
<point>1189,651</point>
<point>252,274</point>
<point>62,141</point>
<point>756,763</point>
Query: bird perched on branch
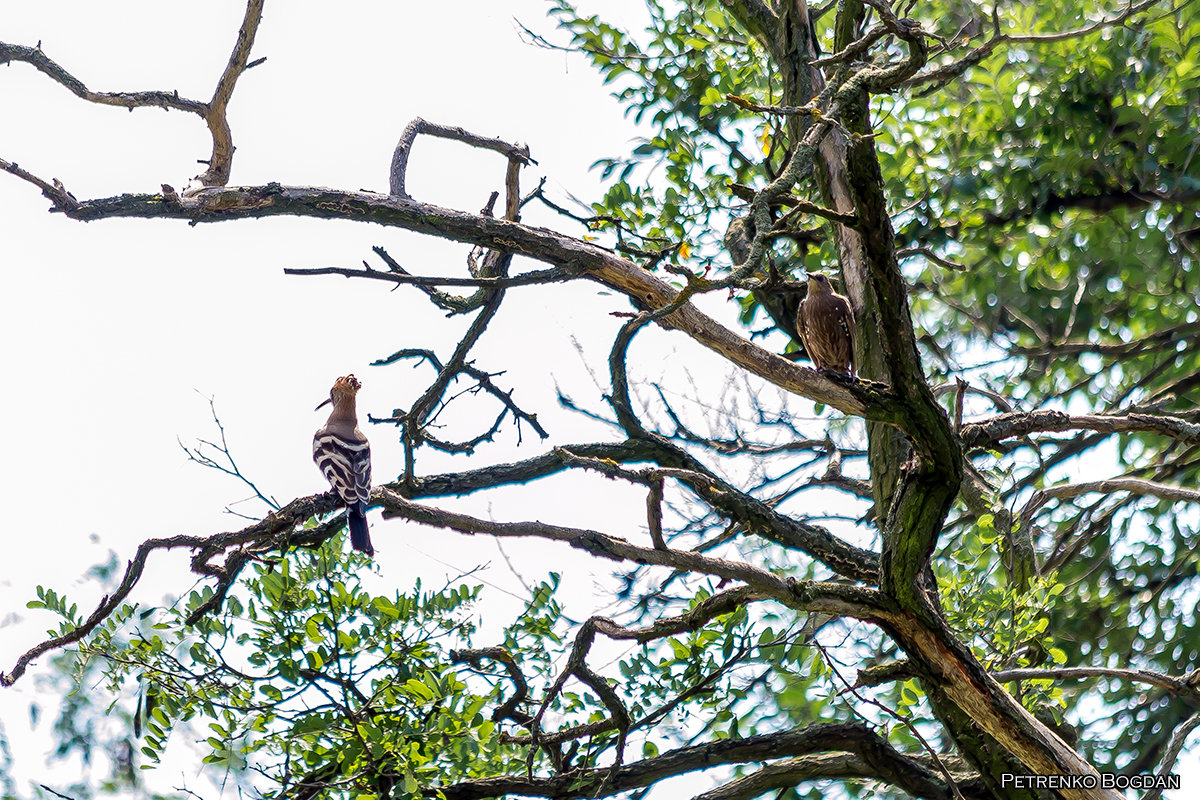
<point>344,456</point>
<point>826,326</point>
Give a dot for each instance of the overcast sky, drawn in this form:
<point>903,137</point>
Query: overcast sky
<point>116,332</point>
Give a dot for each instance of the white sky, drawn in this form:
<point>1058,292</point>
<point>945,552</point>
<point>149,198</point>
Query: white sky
<point>118,331</point>
<point>115,329</point>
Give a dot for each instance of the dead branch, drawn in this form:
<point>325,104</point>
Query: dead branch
<point>213,112</point>
<point>54,191</point>
<point>399,168</point>
<point>848,737</point>
<point>861,398</point>
<point>510,708</point>
<point>990,431</point>
<point>1175,685</point>
<point>806,595</point>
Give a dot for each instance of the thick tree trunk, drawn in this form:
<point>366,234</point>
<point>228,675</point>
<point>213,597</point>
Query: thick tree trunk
<point>916,467</point>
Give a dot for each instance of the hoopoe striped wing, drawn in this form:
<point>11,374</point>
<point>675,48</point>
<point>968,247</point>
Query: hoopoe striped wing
<point>346,464</point>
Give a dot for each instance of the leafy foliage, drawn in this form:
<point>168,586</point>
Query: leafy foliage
<point>306,671</point>
<point>308,681</point>
<point>1062,176</point>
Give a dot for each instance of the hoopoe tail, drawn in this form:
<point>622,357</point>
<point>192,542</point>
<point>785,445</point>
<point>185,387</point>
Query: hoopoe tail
<point>360,538</point>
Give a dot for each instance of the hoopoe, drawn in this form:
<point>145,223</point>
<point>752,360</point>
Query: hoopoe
<point>826,326</point>
<point>344,455</point>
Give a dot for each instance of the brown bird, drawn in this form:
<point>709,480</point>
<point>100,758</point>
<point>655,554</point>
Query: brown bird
<point>826,326</point>
<point>344,456</point>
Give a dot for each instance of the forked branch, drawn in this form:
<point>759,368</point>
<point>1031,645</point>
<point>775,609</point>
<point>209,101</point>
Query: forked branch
<point>212,112</point>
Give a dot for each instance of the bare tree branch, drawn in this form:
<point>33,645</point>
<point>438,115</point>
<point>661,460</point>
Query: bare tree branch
<point>1174,748</point>
<point>418,126</point>
<point>861,398</point>
<point>808,595</point>
<point>990,431</point>
<point>53,191</point>
<point>831,737</point>
<point>1179,686</point>
<point>213,112</point>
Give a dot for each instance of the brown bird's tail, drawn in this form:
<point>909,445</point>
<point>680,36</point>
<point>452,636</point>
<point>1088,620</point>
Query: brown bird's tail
<point>360,539</point>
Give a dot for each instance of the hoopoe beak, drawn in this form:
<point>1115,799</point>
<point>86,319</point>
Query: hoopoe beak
<point>327,401</point>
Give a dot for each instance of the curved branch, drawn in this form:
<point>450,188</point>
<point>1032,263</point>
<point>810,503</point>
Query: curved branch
<point>946,73</point>
<point>850,737</point>
<point>242,544</point>
<point>53,191</point>
<point>830,598</point>
<point>1138,486</point>
<point>278,529</point>
<point>577,666</point>
<point>532,278</point>
<point>861,398</point>
<point>49,67</point>
<point>1161,339</point>
<point>879,80</point>
<point>399,168</point>
<point>694,619</point>
<point>221,163</point>
<point>1179,686</point>
<point>1107,22</point>
<point>758,517</point>
<point>213,112</point>
<point>510,708</point>
<point>907,773</point>
<point>1174,748</point>
<point>990,431</point>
